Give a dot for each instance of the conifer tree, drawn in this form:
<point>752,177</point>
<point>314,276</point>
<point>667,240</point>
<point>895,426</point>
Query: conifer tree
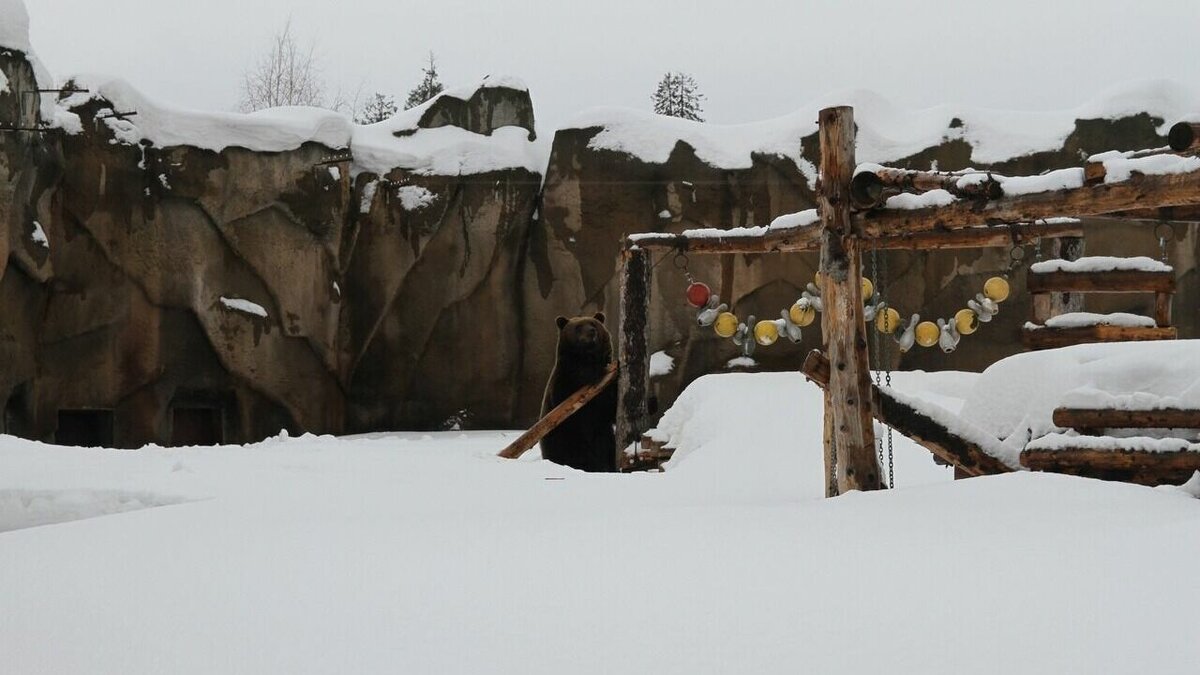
<point>429,87</point>
<point>678,95</point>
<point>378,109</point>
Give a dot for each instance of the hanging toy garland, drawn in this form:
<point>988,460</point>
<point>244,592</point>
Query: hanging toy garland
<point>945,333</point>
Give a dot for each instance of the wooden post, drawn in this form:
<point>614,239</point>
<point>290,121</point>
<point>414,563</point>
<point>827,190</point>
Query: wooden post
<point>633,347</point>
<point>1067,248</point>
<point>842,322</point>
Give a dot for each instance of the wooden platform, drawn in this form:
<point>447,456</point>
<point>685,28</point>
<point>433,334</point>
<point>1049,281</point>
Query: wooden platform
<point>1129,464</point>
<point>1045,286</point>
<point>651,456</point>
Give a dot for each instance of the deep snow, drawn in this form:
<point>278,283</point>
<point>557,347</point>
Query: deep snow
<point>426,554</point>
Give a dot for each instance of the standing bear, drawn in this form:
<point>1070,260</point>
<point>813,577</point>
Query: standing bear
<point>585,440</point>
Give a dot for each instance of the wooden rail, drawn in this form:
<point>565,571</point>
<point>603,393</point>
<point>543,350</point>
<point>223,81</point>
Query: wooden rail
<point>1088,420</point>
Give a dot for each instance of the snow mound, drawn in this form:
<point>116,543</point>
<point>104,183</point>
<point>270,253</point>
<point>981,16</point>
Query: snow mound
<point>14,25</point>
<point>886,133</point>
<point>1015,398</point>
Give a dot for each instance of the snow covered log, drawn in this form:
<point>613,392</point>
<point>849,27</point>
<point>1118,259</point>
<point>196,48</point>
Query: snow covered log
<point>1184,136</point>
<point>954,449</point>
<point>1130,466</point>
<point>1102,281</point>
<point>1090,420</point>
<point>871,187</point>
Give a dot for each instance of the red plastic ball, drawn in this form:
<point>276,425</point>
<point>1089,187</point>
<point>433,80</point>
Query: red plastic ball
<point>698,294</point>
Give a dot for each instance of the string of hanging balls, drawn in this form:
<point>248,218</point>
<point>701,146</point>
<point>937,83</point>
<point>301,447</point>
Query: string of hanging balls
<point>945,333</point>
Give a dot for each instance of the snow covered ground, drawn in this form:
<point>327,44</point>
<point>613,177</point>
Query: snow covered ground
<point>411,553</point>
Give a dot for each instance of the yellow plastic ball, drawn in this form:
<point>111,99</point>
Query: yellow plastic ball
<point>927,333</point>
<point>868,288</point>
<point>887,321</point>
<point>726,324</point>
<point>766,333</point>
<point>966,321</point>
<point>802,315</point>
<point>996,289</point>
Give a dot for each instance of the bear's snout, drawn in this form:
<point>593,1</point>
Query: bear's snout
<point>586,334</point>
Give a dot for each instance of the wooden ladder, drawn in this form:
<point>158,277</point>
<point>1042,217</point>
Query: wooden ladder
<point>1043,285</point>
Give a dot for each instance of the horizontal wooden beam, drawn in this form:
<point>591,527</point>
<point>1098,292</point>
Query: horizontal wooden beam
<point>1138,192</point>
<point>1112,281</point>
<point>1130,466</point>
<point>911,423</point>
<point>805,240</point>
<point>1052,338</point>
<point>871,189</point>
<point>1107,418</point>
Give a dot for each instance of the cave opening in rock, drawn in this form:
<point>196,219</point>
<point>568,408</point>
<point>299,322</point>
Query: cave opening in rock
<point>85,428</point>
<point>196,426</point>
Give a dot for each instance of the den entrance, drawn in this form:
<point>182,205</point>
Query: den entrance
<point>85,428</point>
<point>196,426</point>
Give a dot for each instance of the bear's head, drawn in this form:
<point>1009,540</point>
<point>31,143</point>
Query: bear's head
<point>584,338</point>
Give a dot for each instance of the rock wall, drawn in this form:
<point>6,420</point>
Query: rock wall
<point>380,278</point>
<point>595,196</point>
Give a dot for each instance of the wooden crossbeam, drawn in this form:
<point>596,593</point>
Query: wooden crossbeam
<point>1130,466</point>
<point>1112,281</point>
<point>1052,338</point>
<point>558,415</point>
<point>944,444</point>
<point>1140,191</point>
<point>1082,419</point>
<point>807,239</point>
<point>871,189</point>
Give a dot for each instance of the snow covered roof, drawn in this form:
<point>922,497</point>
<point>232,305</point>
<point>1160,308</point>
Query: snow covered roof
<point>886,133</point>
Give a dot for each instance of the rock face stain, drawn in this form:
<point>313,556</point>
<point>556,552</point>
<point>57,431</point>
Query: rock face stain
<point>383,317</point>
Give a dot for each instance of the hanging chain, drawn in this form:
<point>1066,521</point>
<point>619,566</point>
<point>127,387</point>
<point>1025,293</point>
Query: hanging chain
<point>877,347</point>
<point>885,355</point>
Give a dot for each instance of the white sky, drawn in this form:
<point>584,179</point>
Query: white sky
<point>754,59</point>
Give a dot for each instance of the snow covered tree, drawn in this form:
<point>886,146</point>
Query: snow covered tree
<point>429,87</point>
<point>287,74</point>
<point>678,95</point>
<point>378,109</point>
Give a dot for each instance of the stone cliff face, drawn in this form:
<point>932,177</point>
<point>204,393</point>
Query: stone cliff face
<point>175,294</point>
<point>161,287</point>
<point>594,196</point>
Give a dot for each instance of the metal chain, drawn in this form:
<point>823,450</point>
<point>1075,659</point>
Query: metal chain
<point>882,282</point>
<point>877,352</point>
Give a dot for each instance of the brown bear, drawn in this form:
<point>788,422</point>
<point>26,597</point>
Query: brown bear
<point>586,439</point>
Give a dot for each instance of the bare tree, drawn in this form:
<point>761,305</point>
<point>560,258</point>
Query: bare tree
<point>287,74</point>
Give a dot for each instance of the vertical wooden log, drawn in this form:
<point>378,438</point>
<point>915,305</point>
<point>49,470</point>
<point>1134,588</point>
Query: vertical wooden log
<point>1043,308</point>
<point>1162,309</point>
<point>633,348</point>
<point>842,317</point>
<point>1067,248</point>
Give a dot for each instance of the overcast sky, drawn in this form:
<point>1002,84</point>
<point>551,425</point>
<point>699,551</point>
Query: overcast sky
<point>753,59</point>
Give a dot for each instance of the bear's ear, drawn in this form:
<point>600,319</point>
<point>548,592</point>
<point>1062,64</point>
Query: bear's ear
<point>561,321</point>
<point>599,316</point>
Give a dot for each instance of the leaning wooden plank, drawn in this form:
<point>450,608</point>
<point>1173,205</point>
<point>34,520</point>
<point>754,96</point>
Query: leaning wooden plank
<point>556,416</point>
<point>951,448</point>
<point>1108,418</point>
<point>1113,281</point>
<point>1130,466</point>
<point>1052,338</point>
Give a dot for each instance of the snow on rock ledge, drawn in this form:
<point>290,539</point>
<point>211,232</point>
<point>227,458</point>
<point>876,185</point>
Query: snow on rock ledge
<point>272,130</point>
<point>886,133</point>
